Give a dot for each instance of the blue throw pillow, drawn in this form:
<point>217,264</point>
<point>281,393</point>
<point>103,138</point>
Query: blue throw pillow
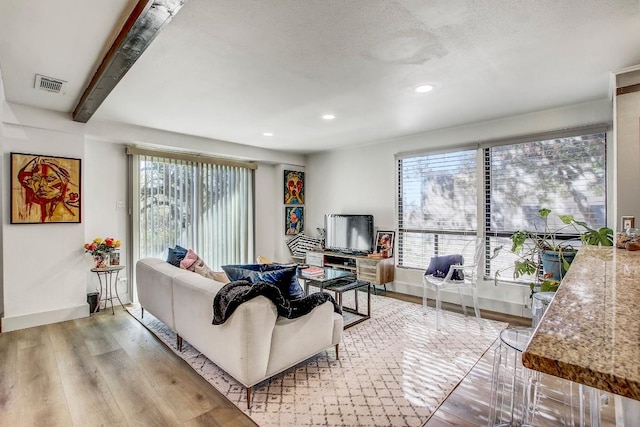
<point>175,255</point>
<point>440,265</point>
<point>283,276</point>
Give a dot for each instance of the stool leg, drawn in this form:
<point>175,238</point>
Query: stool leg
<point>493,401</point>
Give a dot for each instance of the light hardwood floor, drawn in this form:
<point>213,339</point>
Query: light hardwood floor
<point>103,370</point>
<point>109,370</point>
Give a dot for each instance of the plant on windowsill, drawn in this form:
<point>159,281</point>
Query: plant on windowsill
<point>546,256</point>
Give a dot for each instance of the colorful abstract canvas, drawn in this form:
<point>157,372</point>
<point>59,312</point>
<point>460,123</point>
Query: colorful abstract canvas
<point>293,188</point>
<point>44,189</point>
<point>294,220</point>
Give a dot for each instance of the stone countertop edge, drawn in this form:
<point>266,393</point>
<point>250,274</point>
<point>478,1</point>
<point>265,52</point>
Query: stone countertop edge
<point>590,333</point>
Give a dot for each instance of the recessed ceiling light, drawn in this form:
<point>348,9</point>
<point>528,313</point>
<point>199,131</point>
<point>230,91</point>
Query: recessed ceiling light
<point>328,117</point>
<point>423,89</point>
<point>267,134</point>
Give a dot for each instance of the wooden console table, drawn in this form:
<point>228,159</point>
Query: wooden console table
<point>377,271</point>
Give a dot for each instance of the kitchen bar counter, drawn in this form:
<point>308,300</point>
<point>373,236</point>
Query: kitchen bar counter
<point>590,334</point>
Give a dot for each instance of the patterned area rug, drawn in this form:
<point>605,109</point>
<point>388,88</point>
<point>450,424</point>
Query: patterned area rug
<point>395,369</point>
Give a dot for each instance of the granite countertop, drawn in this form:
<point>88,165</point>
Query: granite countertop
<point>590,333</point>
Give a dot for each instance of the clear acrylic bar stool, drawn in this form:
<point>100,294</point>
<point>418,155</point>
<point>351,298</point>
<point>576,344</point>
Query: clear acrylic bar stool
<point>541,301</point>
<point>509,382</point>
<point>516,391</point>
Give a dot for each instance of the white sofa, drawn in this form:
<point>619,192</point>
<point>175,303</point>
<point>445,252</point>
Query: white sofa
<point>253,344</point>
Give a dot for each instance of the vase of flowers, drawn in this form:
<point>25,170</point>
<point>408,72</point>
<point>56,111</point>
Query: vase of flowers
<point>101,250</point>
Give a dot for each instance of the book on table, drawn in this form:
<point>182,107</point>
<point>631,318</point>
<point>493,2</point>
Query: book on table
<point>313,271</point>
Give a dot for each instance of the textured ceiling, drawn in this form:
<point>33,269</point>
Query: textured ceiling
<point>232,70</point>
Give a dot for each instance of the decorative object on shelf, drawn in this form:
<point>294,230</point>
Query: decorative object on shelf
<point>101,250</point>
<point>44,189</point>
<point>294,220</point>
<point>384,243</point>
<point>629,240</point>
<point>300,244</point>
<point>628,222</point>
<point>293,188</point>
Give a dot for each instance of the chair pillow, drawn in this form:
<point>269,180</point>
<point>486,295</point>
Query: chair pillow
<point>175,255</point>
<point>440,265</point>
<point>283,276</point>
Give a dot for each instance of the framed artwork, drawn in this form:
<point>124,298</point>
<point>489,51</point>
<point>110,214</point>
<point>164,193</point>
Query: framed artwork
<point>384,242</point>
<point>293,188</point>
<point>293,220</point>
<point>44,189</point>
<point>628,222</point>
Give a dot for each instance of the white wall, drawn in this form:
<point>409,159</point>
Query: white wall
<point>627,130</point>
<point>363,180</point>
<point>43,272</point>
<point>104,185</point>
<point>46,272</point>
<point>2,102</point>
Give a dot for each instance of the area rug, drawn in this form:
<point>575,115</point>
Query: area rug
<point>395,369</point>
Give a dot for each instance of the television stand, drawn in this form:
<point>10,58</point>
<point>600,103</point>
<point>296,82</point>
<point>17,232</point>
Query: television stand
<point>377,271</point>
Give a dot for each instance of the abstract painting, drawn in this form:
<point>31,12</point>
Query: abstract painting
<point>293,188</point>
<point>294,220</point>
<point>44,189</point>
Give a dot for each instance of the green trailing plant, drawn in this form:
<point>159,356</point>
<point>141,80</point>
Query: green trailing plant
<point>530,245</point>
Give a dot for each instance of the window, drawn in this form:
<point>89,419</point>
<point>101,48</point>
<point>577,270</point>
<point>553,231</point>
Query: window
<point>566,175</point>
<point>195,203</point>
<point>437,205</point>
<point>439,194</point>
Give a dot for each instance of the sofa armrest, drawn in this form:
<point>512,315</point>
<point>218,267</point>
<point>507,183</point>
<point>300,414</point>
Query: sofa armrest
<point>154,281</point>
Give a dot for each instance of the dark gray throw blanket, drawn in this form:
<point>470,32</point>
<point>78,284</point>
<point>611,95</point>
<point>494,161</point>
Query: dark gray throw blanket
<point>235,293</point>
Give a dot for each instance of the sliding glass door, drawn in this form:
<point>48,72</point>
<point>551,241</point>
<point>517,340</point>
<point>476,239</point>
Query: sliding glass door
<point>198,203</point>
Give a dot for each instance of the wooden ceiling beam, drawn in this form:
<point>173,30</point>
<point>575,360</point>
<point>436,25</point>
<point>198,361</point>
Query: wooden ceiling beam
<point>144,23</point>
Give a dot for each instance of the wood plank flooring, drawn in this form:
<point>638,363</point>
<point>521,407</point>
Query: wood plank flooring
<point>103,370</point>
<point>109,370</point>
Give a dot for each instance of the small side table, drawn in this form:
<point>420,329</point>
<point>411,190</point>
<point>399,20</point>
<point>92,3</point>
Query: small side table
<point>110,276</point>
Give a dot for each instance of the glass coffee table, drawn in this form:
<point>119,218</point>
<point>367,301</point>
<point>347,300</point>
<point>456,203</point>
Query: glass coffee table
<point>339,282</point>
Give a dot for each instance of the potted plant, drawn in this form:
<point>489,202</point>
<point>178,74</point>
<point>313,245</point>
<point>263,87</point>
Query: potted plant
<point>547,254</point>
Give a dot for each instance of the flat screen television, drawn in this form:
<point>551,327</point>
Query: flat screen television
<point>349,233</point>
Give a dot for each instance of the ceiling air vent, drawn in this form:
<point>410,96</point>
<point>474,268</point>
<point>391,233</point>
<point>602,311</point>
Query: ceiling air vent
<point>49,84</point>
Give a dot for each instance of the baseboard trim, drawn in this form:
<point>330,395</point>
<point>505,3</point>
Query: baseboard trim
<point>485,303</point>
<point>38,319</point>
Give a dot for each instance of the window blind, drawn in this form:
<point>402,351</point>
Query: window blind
<point>566,175</point>
<point>439,194</point>
<point>437,205</point>
<point>206,206</point>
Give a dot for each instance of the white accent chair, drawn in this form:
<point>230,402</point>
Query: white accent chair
<point>470,281</point>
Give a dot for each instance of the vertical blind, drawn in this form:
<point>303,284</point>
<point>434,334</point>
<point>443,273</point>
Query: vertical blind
<point>437,205</point>
<point>200,205</point>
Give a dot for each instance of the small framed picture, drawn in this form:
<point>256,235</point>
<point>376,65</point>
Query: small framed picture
<point>628,222</point>
<point>384,243</point>
<point>294,220</point>
<point>114,259</point>
<point>293,188</point>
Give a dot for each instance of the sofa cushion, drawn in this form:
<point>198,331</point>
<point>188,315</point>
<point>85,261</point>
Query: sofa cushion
<point>283,276</point>
<point>191,261</point>
<point>175,255</point>
<point>218,276</point>
<point>440,265</point>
